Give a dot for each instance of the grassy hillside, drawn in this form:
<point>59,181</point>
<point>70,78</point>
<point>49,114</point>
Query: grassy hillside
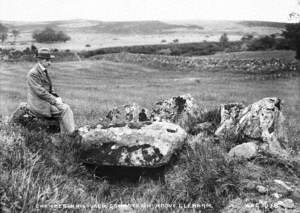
<point>93,86</point>
<point>204,176</point>
<point>236,27</point>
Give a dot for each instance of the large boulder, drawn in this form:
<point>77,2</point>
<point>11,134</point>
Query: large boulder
<point>262,121</point>
<point>143,144</point>
<point>23,116</point>
<point>181,110</point>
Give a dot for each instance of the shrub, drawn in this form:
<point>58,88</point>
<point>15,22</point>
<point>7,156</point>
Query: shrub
<point>282,44</point>
<point>247,37</point>
<point>49,35</point>
<point>3,32</point>
<point>3,36</point>
<point>27,51</point>
<point>292,34</point>
<point>15,33</point>
<point>263,43</point>
<point>224,40</point>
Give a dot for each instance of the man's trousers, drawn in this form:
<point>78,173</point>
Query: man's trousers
<point>65,117</point>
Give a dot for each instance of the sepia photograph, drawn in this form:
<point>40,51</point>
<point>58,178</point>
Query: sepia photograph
<point>141,106</point>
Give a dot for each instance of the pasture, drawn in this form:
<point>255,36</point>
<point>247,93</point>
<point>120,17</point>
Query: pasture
<point>91,87</point>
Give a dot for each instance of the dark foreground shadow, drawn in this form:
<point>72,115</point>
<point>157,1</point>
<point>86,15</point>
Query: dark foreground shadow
<point>129,174</point>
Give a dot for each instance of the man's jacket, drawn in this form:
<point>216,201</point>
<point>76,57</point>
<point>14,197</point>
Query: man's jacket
<point>39,96</point>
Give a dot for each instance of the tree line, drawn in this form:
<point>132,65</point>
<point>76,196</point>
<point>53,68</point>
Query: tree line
<point>47,35</point>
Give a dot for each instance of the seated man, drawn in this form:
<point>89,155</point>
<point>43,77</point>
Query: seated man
<point>40,97</point>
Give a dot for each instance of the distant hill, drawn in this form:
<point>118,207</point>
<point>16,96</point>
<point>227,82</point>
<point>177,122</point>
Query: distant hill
<point>130,27</point>
<point>94,34</point>
<point>141,27</point>
<point>263,24</point>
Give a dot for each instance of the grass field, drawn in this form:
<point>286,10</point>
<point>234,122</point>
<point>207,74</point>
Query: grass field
<point>93,86</point>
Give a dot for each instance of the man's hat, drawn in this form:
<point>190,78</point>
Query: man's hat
<point>44,53</point>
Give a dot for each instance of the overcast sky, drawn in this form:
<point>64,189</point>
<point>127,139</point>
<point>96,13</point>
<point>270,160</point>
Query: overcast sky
<point>124,10</point>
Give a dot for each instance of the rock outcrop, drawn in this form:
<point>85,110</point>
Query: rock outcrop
<point>131,135</point>
<point>179,110</point>
<point>262,121</point>
<point>173,108</point>
<point>28,119</point>
<point>143,144</point>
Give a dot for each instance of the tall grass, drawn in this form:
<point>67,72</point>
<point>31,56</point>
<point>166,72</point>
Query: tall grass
<point>36,174</point>
<point>31,178</point>
<point>204,175</point>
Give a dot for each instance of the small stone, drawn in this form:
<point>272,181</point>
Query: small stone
<point>261,189</point>
<point>286,203</point>
<point>283,184</point>
<point>276,195</point>
<point>250,185</point>
<point>245,150</point>
<point>114,147</point>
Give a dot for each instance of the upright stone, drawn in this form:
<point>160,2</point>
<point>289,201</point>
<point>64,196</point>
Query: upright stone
<point>262,121</point>
<point>180,110</point>
<point>230,114</point>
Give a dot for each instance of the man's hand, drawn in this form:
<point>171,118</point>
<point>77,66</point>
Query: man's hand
<point>59,104</point>
<point>58,100</point>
